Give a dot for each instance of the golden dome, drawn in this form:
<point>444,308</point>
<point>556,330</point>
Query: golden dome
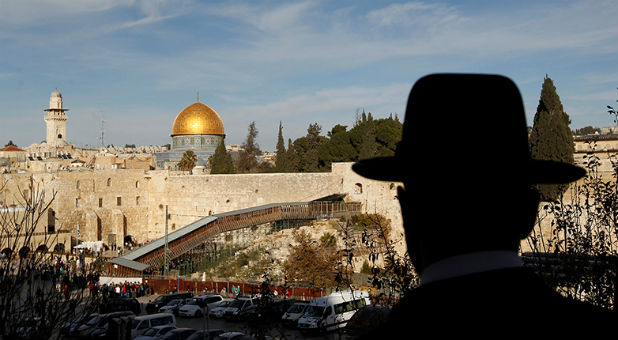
<point>197,119</point>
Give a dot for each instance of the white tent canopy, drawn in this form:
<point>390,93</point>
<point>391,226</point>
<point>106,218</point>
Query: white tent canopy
<point>94,245</point>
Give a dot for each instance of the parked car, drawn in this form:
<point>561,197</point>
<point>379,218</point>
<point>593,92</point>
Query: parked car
<point>218,311</point>
<point>291,316</point>
<point>173,306</point>
<point>162,300</point>
<point>70,329</point>
<point>233,311</point>
<point>178,334</point>
<point>142,323</point>
<point>98,326</point>
<point>271,312</point>
<point>279,307</point>
<point>200,305</point>
<point>155,333</point>
<point>210,335</point>
<point>119,304</point>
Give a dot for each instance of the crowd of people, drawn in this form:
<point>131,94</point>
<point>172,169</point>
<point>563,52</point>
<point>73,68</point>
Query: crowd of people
<point>124,289</point>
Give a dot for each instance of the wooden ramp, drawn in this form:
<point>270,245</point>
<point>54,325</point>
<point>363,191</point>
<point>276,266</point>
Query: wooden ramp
<point>133,264</point>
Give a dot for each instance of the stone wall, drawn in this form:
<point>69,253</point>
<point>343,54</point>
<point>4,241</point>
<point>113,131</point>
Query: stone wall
<point>116,203</point>
<point>110,204</point>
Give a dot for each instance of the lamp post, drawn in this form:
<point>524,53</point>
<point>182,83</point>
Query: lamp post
<point>165,264</point>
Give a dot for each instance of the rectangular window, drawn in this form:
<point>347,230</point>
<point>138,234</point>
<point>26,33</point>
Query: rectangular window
<point>118,201</point>
<point>100,203</point>
<point>137,199</point>
<point>77,202</point>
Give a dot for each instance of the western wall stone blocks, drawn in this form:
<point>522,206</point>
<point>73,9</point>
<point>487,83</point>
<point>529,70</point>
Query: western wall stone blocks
<point>132,202</point>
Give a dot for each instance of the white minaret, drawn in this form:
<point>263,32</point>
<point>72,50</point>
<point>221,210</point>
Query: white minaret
<point>56,120</point>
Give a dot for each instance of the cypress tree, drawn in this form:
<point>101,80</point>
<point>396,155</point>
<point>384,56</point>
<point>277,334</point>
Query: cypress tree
<point>280,161</point>
<point>247,160</point>
<point>550,137</point>
<point>291,159</point>
<point>368,145</point>
<point>221,161</point>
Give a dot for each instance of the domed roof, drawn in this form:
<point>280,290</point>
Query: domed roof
<point>56,93</point>
<point>197,119</point>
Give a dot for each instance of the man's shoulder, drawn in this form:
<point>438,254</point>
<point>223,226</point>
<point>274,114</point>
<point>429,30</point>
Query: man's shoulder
<point>500,293</point>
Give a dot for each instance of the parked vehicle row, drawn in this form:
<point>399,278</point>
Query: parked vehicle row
<point>326,313</point>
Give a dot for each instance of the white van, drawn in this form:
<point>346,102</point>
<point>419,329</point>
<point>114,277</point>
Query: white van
<point>144,322</point>
<point>333,311</point>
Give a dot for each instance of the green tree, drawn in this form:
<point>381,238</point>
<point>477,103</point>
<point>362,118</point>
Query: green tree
<point>187,163</point>
<point>339,147</point>
<point>368,138</point>
<point>291,159</point>
<point>281,153</point>
<point>221,161</point>
<point>368,146</point>
<point>551,138</point>
<point>10,143</point>
<point>573,243</point>
<point>587,130</point>
<point>307,149</point>
<point>247,159</point>
<point>328,240</point>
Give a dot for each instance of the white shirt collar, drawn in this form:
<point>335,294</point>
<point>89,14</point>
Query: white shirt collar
<point>470,264</point>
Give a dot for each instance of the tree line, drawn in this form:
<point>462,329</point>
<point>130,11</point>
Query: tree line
<point>314,152</point>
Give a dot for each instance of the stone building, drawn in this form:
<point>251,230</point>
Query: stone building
<point>10,158</point>
<point>124,161</point>
<point>603,146</point>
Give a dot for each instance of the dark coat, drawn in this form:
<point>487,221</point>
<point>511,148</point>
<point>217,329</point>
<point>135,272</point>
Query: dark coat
<point>501,303</point>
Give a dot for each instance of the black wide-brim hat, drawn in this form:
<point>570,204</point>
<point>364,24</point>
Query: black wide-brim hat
<point>466,127</point>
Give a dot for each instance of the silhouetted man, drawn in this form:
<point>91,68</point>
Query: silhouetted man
<point>468,202</point>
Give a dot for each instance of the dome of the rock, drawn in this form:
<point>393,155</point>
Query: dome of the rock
<point>197,119</point>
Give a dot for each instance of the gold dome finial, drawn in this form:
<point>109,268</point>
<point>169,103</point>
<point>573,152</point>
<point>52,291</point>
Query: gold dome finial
<point>198,96</point>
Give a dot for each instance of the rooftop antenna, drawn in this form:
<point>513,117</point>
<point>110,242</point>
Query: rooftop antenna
<point>102,129</point>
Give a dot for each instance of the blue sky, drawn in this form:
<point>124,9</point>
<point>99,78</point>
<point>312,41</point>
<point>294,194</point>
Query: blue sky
<point>141,62</point>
